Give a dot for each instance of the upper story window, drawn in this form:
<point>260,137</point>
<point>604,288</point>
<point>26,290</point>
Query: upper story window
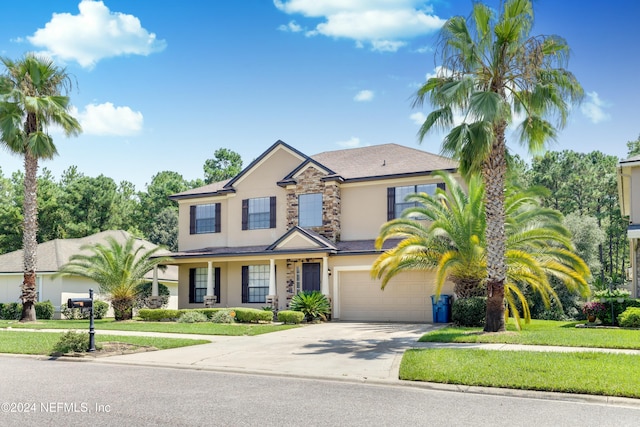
<point>204,218</point>
<point>396,197</point>
<point>310,210</point>
<point>259,213</point>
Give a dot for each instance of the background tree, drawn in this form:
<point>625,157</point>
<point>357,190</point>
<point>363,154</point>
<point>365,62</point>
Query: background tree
<point>165,232</point>
<point>490,66</point>
<point>633,147</point>
<point>117,268</point>
<point>224,165</point>
<point>31,101</point>
<point>10,213</point>
<point>156,198</point>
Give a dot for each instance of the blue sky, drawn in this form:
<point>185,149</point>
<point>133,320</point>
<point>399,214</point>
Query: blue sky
<point>162,85</point>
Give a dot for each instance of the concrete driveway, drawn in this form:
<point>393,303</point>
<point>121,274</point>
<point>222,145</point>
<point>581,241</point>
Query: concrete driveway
<point>347,350</point>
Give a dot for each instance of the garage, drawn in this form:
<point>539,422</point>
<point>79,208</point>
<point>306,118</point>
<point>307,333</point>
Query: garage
<point>407,297</point>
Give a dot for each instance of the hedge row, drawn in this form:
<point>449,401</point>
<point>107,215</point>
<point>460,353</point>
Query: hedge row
<point>13,310</point>
<point>245,315</point>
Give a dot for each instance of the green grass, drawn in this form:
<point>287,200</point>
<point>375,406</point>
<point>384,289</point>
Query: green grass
<point>542,332</point>
<point>205,328</point>
<point>25,342</point>
<point>577,372</point>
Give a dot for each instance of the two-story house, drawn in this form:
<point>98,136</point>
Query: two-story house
<point>629,196</point>
<point>291,222</point>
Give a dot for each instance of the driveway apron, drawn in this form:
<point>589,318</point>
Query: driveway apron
<point>347,350</point>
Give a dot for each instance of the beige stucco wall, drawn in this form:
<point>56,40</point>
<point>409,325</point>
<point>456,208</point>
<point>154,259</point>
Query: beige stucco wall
<point>364,205</point>
<point>260,181</point>
<point>231,283</point>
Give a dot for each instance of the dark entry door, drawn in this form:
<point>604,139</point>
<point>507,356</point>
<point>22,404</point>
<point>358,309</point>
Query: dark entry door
<point>311,276</point>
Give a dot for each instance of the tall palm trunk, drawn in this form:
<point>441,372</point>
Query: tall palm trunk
<point>493,174</point>
<point>30,229</point>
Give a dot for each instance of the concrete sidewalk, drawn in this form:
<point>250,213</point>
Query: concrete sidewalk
<point>332,350</point>
<point>337,350</point>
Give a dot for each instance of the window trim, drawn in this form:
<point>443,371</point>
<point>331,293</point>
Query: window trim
<point>314,213</point>
<point>246,279</point>
<point>391,197</point>
<point>245,213</point>
<point>193,219</point>
<point>192,285</point>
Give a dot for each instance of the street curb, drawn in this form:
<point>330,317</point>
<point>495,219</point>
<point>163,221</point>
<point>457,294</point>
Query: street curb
<point>456,388</point>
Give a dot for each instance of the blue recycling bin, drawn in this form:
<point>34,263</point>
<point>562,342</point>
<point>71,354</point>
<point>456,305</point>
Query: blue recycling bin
<point>441,308</point>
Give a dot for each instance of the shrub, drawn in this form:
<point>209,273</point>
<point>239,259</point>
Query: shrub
<point>618,308</point>
<point>630,318</point>
<point>74,313</point>
<point>223,316</point>
<point>11,311</point>
<point>44,310</point>
<point>144,291</point>
<point>469,312</point>
<point>209,312</point>
<point>290,316</point>
<point>192,316</point>
<point>72,341</point>
<point>253,315</point>
<point>157,314</point>
<point>314,305</point>
<point>100,309</point>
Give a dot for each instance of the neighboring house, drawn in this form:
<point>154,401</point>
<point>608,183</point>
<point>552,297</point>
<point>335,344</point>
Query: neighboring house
<point>52,255</point>
<point>291,222</point>
<point>629,195</point>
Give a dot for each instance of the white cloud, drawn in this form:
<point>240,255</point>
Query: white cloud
<point>351,143</point>
<point>107,119</point>
<point>94,34</point>
<point>384,24</point>
<point>363,96</point>
<point>594,108</point>
<point>290,27</point>
<point>418,118</point>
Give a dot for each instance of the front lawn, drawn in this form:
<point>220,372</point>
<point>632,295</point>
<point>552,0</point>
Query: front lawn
<point>578,372</point>
<point>25,342</point>
<point>543,332</point>
<point>204,328</point>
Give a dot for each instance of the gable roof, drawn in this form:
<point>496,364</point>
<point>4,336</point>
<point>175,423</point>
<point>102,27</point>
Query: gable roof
<point>353,164</point>
<point>223,187</point>
<point>386,160</point>
<point>54,254</point>
<point>314,239</point>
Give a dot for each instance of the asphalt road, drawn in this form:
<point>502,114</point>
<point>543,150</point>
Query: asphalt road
<point>61,393</point>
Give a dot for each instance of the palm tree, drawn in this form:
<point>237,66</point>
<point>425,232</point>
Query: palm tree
<point>30,101</point>
<point>491,68</point>
<point>117,268</point>
<point>445,233</point>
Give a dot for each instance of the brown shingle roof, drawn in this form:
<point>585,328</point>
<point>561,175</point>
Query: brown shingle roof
<point>382,160</point>
<point>207,189</point>
<point>53,254</point>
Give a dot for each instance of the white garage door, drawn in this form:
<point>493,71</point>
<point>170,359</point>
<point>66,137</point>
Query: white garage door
<point>407,298</point>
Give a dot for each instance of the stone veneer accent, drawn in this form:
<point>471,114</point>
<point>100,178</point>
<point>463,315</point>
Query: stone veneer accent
<point>310,181</point>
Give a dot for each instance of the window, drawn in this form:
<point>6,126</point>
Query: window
<point>396,197</point>
<point>255,283</point>
<point>198,284</point>
<point>310,210</point>
<point>259,213</point>
<point>205,219</point>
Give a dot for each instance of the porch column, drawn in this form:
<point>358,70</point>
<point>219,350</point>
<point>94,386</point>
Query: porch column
<point>324,285</point>
<point>209,278</point>
<point>272,277</point>
<point>154,283</point>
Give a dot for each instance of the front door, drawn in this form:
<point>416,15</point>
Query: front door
<point>311,276</point>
